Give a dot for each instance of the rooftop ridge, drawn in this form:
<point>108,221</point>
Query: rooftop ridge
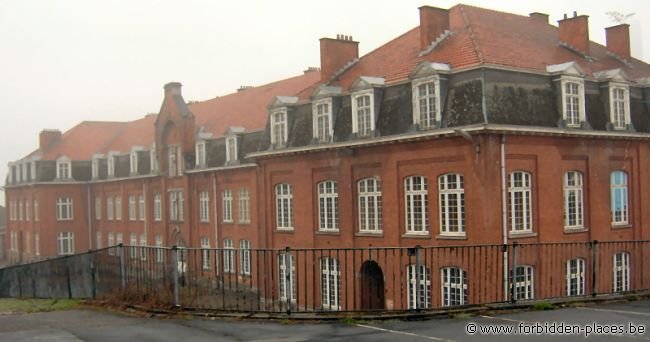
<point>472,36</point>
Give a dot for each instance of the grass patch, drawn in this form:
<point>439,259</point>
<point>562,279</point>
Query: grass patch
<point>541,306</point>
<point>461,315</point>
<point>36,305</point>
<point>348,320</point>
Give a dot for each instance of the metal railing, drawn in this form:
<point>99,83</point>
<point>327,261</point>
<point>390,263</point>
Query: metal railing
<point>338,279</point>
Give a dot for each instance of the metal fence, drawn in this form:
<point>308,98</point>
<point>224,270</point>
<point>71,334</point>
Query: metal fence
<point>338,279</point>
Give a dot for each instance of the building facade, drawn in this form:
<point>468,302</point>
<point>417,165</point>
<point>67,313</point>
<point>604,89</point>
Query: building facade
<point>475,127</point>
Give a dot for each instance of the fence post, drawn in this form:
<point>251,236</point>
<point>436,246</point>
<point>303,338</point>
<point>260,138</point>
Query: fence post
<point>417,277</point>
<point>175,273</point>
<point>594,266</point>
<point>288,281</point>
<point>120,251</point>
<point>513,274</point>
<point>93,285</point>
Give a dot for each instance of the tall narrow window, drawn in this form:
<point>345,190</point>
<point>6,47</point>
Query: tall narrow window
<point>245,257</point>
<point>143,245</point>
<point>204,206</point>
<point>205,253</point>
<point>157,207</point>
<point>572,103</point>
<point>619,107</point>
<point>575,277</point>
<point>109,208</point>
<point>328,206</point>
<point>63,168</point>
<point>36,210</point>
<point>181,206</point>
<point>370,205</point>
<point>322,120</point>
<point>416,204</point>
<point>27,210</point>
<point>363,115</point>
<point>94,168</point>
<point>426,103</point>
<point>118,208</point>
<point>173,206</point>
<point>65,243</point>
<point>520,202</point>
<point>174,161</point>
<point>621,272</point>
<point>286,277</point>
<point>330,283</point>
<point>283,207</point>
<point>153,159</point>
<point>133,162</point>
<point>134,243</point>
<point>523,282</point>
<point>98,208</point>
<point>279,128</point>
<point>20,210</point>
<point>227,206</point>
<point>244,206</point>
<point>141,207</point>
<point>110,165</point>
<point>132,208</point>
<point>228,256</point>
<point>619,200</point>
<point>452,204</point>
<point>421,293</point>
<point>37,244</point>
<point>200,153</point>
<point>111,243</point>
<point>64,209</point>
<point>454,286</point>
<point>573,199</point>
<point>231,149</point>
<point>160,252</point>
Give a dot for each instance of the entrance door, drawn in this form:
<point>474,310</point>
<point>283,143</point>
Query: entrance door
<point>372,286</point>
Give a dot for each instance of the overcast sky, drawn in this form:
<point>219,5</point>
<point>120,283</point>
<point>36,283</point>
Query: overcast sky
<point>62,62</point>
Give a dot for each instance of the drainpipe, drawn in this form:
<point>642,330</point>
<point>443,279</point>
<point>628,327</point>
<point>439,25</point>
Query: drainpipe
<point>90,229</point>
<point>144,196</point>
<point>504,216</point>
<point>216,221</point>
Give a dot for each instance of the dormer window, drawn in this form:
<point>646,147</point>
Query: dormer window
<point>174,160</point>
<point>133,162</point>
<point>279,128</point>
<point>426,102</point>
<point>63,168</point>
<point>110,165</point>
<point>323,128</point>
<point>95,168</point>
<point>573,101</point>
<point>153,159</point>
<point>363,121</point>
<point>231,149</point>
<point>619,107</point>
<point>200,153</point>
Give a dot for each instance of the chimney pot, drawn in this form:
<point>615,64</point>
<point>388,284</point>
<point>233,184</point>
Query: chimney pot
<point>541,17</point>
<point>565,16</point>
<point>335,54</point>
<point>575,14</point>
<point>433,23</point>
<point>618,40</point>
<point>48,137</point>
<point>173,88</point>
<point>575,32</point>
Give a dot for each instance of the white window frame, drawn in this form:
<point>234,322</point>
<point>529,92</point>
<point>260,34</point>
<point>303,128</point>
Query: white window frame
<point>573,200</point>
<point>110,243</point>
<point>153,159</point>
<point>110,165</point>
<point>174,163</point>
<point>173,206</point>
<point>231,149</point>
<point>454,286</point>
<point>64,209</point>
<point>322,125</point>
<point>575,270</point>
<point>330,270</point>
<point>20,210</point>
<point>37,244</point>
<point>430,120</point>
<point>451,188</point>
<point>328,206</point>
<point>619,191</point>
<point>98,208</point>
<point>132,211</point>
<point>524,282</point>
<point>142,209</point>
<point>205,253</point>
<point>119,238</point>
<point>200,153</point>
<point>118,208</point>
<point>133,162</point>
<point>228,256</point>
<point>160,252</point>
<point>244,257</point>
<point>63,168</point>
<point>283,206</point>
<point>226,202</point>
<point>370,205</point>
<point>523,212</point>
<point>424,290</point>
<point>36,213</point>
<point>244,211</point>
<point>133,250</point>
<point>279,127</point>
<point>27,210</point>
<point>204,206</point>
<point>370,93</point>
<point>617,105</point>
<point>98,240</point>
<point>65,243</point>
<point>143,245</point>
<point>95,168</point>
<point>109,208</point>
<point>157,207</point>
<point>417,222</point>
<point>285,282</point>
<point>580,97</point>
<point>621,272</point>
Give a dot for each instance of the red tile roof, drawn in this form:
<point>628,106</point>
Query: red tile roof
<point>82,141</point>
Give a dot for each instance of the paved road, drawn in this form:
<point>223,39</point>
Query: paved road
<point>90,325</point>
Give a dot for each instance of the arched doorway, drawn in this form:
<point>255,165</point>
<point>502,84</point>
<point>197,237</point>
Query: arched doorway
<point>372,286</point>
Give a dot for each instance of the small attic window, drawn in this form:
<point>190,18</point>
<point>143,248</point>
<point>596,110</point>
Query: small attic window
<point>133,162</point>
<point>200,153</point>
<point>363,120</point>
<point>573,100</point>
<point>111,165</point>
<point>619,106</point>
<point>322,122</point>
<point>279,128</point>
<point>231,149</point>
<point>153,159</point>
<point>426,102</point>
<point>63,168</point>
<point>95,168</point>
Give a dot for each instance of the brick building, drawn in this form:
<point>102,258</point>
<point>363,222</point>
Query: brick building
<point>475,127</point>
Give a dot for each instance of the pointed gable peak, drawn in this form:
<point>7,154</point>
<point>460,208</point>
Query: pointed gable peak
<point>615,75</point>
<point>365,82</point>
<point>429,68</point>
<point>326,91</point>
<point>283,101</point>
<point>569,68</point>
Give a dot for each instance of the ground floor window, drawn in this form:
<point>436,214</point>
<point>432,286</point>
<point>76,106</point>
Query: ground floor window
<point>454,286</point>
<point>286,276</point>
<point>330,283</point>
<point>575,277</point>
<point>423,291</point>
<point>523,282</point>
<point>621,272</point>
<point>65,243</point>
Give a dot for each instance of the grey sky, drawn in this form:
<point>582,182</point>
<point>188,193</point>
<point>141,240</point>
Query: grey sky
<point>63,61</point>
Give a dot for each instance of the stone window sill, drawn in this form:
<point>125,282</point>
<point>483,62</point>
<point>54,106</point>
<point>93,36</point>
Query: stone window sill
<point>621,226</point>
<point>575,230</point>
<point>370,234</point>
<point>416,236</point>
<point>451,237</point>
<point>512,235</point>
<point>334,232</point>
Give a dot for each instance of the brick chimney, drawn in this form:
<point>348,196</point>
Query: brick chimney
<point>539,17</point>
<point>618,40</point>
<point>433,23</point>
<point>173,88</point>
<point>48,137</point>
<point>335,54</point>
<point>575,32</point>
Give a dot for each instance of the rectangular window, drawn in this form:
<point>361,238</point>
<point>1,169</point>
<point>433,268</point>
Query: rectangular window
<point>63,169</point>
<point>423,292</point>
<point>572,104</point>
<point>118,238</point>
<point>160,252</point>
<point>94,168</point>
<point>370,219</point>
<point>20,210</point>
<point>205,253</point>
<point>520,202</point>
<point>143,249</point>
<point>323,121</point>
<point>181,206</point>
<point>330,272</point>
<point>65,243</point>
<point>204,206</point>
<point>523,282</point>
<point>98,240</point>
<point>619,199</point>
<point>328,206</point>
<point>118,208</point>
<point>110,163</point>
<point>416,204</point>
<point>98,208</point>
<point>174,161</point>
<point>426,104</point>
<point>132,208</point>
<point>157,207</point>
<point>200,153</point>
<point>452,204</point>
<point>111,243</point>
<point>227,206</point>
<point>621,272</point>
<point>279,128</point>
<point>153,159</point>
<point>454,286</point>
<point>363,115</point>
<point>133,251</point>
<point>575,277</point>
<point>36,210</point>
<point>619,107</point>
<point>283,207</point>
<point>133,158</point>
<point>244,206</point>
<point>109,208</point>
<point>231,149</point>
<point>228,257</point>
<point>64,209</point>
<point>245,257</point>
<point>173,206</point>
<point>286,277</point>
<point>37,244</point>
<point>141,207</point>
<point>573,199</point>
<point>27,211</point>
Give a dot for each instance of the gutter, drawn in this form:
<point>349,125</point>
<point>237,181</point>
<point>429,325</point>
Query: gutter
<point>504,215</point>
